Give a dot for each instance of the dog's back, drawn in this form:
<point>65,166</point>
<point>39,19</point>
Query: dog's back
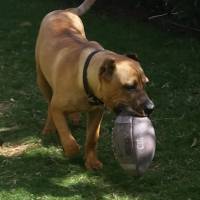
<point>61,32</point>
<point>65,21</point>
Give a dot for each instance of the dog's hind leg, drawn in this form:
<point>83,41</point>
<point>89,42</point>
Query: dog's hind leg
<point>47,93</point>
<point>75,118</point>
<point>49,124</point>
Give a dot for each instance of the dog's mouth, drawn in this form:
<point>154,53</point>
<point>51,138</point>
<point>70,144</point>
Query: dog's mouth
<point>127,110</point>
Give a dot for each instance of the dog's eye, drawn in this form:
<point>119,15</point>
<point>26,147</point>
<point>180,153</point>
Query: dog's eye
<point>131,87</point>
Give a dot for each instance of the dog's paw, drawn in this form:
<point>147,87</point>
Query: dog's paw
<point>93,164</point>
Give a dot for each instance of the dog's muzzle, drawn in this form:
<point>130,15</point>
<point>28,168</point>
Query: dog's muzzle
<point>147,108</point>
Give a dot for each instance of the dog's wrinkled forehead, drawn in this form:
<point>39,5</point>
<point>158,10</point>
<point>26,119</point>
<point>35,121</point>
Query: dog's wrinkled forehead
<point>130,72</point>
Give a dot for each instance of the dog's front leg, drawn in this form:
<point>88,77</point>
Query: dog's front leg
<point>93,129</point>
<point>68,142</point>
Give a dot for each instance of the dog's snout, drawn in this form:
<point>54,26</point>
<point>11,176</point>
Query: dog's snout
<point>149,107</point>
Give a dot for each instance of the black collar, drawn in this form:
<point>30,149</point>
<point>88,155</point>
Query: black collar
<point>93,100</point>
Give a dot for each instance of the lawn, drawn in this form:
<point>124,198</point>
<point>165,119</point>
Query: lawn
<point>34,168</point>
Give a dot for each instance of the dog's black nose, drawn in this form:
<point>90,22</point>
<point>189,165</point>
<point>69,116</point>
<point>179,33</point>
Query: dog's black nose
<point>149,107</point>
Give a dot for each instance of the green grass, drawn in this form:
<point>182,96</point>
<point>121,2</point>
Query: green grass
<point>42,172</point>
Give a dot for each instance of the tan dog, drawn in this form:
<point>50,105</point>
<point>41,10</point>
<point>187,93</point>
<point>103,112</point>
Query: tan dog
<point>64,58</point>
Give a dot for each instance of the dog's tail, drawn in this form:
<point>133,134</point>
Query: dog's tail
<point>83,8</point>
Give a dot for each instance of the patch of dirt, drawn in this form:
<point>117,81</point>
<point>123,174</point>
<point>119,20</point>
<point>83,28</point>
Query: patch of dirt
<point>15,150</point>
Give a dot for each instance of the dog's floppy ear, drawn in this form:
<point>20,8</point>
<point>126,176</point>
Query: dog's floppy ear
<point>133,56</point>
<point>107,69</point>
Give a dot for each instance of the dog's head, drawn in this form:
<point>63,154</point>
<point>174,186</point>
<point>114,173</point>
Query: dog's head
<point>123,83</point>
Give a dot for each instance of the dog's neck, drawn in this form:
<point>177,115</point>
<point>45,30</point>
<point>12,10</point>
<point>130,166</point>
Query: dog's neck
<point>91,77</point>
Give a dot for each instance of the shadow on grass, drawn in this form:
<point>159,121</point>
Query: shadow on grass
<point>45,172</point>
<point>47,175</point>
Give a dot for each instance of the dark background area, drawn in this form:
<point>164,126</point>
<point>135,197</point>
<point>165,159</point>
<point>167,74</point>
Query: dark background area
<point>171,15</point>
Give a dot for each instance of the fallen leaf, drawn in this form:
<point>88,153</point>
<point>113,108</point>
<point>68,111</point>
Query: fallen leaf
<point>194,143</point>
